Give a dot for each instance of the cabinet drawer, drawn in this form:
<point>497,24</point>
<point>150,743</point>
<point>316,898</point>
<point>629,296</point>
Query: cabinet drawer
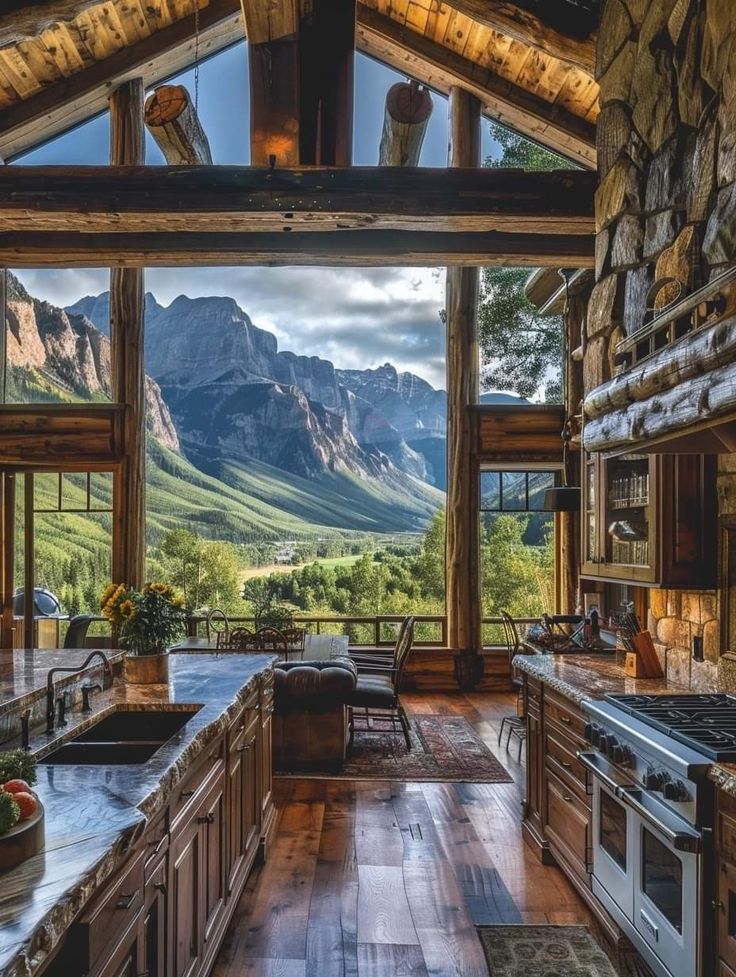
<point>155,839</point>
<point>188,794</point>
<point>533,697</point>
<point>726,914</point>
<point>565,713</point>
<point>110,914</point>
<point>567,825</point>
<point>563,762</point>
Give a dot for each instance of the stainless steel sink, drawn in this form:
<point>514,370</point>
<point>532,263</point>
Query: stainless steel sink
<point>124,737</point>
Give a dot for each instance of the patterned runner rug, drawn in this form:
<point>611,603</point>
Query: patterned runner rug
<point>444,749</point>
<point>543,951</point>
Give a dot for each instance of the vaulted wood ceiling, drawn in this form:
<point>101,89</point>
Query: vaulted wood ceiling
<point>59,60</point>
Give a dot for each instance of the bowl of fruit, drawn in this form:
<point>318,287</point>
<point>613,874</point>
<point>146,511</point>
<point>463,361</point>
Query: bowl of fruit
<point>21,812</point>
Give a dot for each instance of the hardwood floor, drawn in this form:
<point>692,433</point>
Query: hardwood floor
<point>389,879</point>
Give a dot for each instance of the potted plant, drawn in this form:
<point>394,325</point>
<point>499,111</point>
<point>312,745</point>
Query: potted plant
<point>145,622</point>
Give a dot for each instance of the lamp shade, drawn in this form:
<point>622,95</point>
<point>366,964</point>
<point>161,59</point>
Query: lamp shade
<point>562,499</point>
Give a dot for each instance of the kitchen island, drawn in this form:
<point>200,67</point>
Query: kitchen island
<point>145,862</point>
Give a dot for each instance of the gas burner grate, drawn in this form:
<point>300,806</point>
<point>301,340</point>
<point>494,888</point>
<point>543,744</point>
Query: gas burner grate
<point>705,722</point>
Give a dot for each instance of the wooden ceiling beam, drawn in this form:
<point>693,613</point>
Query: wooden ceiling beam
<point>532,25</point>
<point>127,199</point>
<point>79,97</point>
<point>440,69</point>
<point>64,249</point>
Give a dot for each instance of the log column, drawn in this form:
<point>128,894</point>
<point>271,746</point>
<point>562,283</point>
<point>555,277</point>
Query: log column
<point>462,541</point>
<point>127,147</point>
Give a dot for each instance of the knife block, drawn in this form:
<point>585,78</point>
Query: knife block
<point>643,661</point>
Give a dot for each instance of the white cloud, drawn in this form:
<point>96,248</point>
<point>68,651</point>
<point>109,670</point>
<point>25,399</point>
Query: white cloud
<point>356,317</point>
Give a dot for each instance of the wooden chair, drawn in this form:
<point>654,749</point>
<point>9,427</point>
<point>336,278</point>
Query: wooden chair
<point>515,723</point>
<point>377,655</point>
<point>240,639</point>
<point>217,625</point>
<point>377,691</point>
<point>274,641</point>
<point>295,639</point>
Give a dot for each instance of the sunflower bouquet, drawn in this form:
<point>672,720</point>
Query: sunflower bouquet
<point>145,621</point>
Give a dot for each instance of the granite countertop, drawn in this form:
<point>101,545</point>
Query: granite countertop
<point>23,672</point>
<point>584,676</point>
<point>95,813</point>
<point>580,677</point>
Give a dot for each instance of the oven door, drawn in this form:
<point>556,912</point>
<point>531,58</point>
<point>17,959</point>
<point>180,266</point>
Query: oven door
<point>613,840</point>
<point>667,863</point>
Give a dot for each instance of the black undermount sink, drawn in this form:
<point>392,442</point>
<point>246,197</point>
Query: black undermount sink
<point>125,737</point>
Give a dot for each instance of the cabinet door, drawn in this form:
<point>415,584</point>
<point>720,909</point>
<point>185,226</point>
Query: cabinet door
<point>235,815</point>
<point>124,961</point>
<point>727,913</point>
<point>265,761</point>
<point>154,927</point>
<point>186,903</point>
<point>591,542</point>
<point>251,797</point>
<point>212,824</point>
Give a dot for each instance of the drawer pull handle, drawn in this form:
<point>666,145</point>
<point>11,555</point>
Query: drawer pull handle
<point>188,793</point>
<point>206,818</point>
<point>566,720</point>
<point>125,901</point>
<point>160,887</point>
<point>248,745</point>
<point>565,765</point>
<point>567,797</point>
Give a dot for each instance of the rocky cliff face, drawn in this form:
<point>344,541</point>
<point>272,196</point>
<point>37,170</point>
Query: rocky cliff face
<point>228,385</point>
<point>53,350</point>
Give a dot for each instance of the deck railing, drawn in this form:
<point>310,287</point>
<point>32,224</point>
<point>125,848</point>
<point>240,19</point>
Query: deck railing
<point>377,629</point>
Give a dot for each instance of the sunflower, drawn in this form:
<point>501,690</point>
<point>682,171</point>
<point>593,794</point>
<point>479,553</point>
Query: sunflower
<point>127,609</point>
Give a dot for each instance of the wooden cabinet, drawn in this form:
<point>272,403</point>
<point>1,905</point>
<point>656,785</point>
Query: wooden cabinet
<point>534,763</point>
<point>154,923</point>
<point>649,519</point>
<point>244,799</point>
<point>725,882</point>
<point>165,912</point>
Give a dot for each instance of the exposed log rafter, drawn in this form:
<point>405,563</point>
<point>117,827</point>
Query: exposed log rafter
<point>441,68</point>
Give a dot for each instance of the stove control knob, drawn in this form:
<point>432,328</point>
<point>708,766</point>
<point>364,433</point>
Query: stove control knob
<point>655,780</point>
<point>592,733</point>
<point>621,755</point>
<point>676,791</point>
<point>603,743</point>
<point>611,746</point>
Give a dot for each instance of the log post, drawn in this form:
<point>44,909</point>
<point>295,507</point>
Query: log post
<point>463,368</point>
<point>8,567</point>
<point>405,119</point>
<point>127,147</point>
<point>172,120</point>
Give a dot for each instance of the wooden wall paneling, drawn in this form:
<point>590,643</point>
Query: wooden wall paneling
<point>75,437</point>
<point>127,310</point>
<point>463,368</point>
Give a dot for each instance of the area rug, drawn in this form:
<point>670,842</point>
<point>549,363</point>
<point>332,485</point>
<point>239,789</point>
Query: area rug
<point>443,749</point>
<point>544,951</point>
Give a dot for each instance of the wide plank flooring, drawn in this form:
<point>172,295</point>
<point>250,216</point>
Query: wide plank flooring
<point>389,879</point>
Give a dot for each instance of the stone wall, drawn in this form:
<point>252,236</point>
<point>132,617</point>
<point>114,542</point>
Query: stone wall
<point>665,206</point>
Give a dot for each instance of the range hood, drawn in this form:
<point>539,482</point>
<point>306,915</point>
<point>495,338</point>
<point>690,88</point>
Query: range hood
<point>676,389</point>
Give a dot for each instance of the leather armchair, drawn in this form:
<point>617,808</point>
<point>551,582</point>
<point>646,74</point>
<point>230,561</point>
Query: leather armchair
<point>311,726</point>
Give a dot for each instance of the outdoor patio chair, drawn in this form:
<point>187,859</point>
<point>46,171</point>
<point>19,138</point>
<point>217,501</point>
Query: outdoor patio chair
<point>240,639</point>
<point>377,692</point>
<point>516,722</point>
<point>295,639</point>
<point>274,640</point>
<point>76,634</point>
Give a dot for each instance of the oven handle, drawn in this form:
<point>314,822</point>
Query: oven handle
<point>600,768</point>
<point>677,832</point>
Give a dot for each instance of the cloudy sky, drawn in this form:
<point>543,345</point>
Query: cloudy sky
<point>357,317</point>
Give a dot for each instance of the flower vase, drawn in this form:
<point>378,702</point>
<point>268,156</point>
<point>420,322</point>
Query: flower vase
<point>147,669</point>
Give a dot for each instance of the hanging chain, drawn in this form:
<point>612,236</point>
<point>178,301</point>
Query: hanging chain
<point>196,55</point>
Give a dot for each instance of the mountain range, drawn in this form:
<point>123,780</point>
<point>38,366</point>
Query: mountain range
<point>246,440</point>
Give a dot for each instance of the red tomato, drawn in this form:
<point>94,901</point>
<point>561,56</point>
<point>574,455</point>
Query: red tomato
<point>27,803</point>
<point>16,786</point>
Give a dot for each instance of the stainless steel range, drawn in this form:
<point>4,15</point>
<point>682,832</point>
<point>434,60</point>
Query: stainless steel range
<point>653,819</point>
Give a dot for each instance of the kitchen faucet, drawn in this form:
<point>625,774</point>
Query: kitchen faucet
<point>50,717</point>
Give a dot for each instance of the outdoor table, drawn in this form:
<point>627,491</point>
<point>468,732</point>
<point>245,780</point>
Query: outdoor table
<point>317,647</point>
